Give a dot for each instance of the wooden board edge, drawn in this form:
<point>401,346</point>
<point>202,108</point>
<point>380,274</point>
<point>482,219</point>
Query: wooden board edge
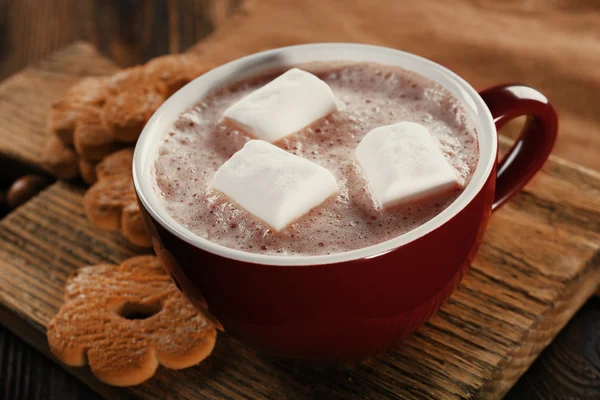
<point>78,46</point>
<point>546,328</point>
<point>35,335</point>
<point>47,65</point>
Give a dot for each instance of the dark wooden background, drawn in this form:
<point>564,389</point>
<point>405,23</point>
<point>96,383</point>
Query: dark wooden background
<point>133,31</point>
<point>128,31</point>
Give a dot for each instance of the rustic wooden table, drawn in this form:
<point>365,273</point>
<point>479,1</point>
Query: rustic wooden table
<point>132,31</point>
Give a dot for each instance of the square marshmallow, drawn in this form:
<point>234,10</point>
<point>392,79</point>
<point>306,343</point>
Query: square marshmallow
<point>403,163</point>
<point>272,184</point>
<point>283,106</point>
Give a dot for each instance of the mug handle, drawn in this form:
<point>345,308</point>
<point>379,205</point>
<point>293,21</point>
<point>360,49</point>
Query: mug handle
<point>533,146</point>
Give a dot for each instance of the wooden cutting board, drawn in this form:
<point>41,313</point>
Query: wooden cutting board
<point>539,262</point>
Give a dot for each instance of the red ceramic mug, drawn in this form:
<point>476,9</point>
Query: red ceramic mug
<point>359,302</point>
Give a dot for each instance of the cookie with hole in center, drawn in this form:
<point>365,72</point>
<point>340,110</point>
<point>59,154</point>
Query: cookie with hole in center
<point>123,321</point>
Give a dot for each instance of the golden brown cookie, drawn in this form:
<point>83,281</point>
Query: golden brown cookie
<point>124,79</point>
<point>87,170</point>
<point>59,159</point>
<point>90,91</point>
<point>91,138</point>
<point>126,113</point>
<point>64,114</point>
<point>111,202</point>
<point>104,201</point>
<point>125,320</point>
<point>132,226</point>
<point>63,117</point>
<point>175,70</point>
<point>117,163</point>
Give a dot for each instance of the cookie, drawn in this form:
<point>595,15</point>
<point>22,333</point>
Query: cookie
<point>117,163</point>
<point>64,114</point>
<point>91,138</point>
<point>126,113</point>
<point>132,226</point>
<point>89,91</point>
<point>124,79</point>
<point>63,117</point>
<point>87,170</point>
<point>175,70</point>
<point>59,159</point>
<point>126,320</point>
<point>111,203</point>
<point>104,202</point>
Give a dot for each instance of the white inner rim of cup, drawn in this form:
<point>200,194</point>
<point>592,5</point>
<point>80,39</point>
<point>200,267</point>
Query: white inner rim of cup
<point>162,120</point>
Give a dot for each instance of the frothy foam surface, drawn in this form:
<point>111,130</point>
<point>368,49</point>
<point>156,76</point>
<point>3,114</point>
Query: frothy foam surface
<point>372,95</point>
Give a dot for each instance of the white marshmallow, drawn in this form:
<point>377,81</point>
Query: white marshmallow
<point>283,106</point>
<point>403,163</point>
<point>272,184</point>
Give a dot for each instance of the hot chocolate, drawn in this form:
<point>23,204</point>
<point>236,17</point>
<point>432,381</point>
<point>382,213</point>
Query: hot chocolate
<point>371,96</point>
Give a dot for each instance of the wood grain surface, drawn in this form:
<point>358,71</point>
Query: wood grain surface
<point>26,373</point>
<point>539,262</point>
<point>25,99</point>
<point>128,31</point>
<point>570,367</point>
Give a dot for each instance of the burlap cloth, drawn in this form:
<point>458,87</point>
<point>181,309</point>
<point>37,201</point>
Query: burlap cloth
<point>553,45</point>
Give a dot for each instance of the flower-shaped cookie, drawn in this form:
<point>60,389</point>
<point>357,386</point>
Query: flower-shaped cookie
<point>125,320</point>
<point>111,204</point>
